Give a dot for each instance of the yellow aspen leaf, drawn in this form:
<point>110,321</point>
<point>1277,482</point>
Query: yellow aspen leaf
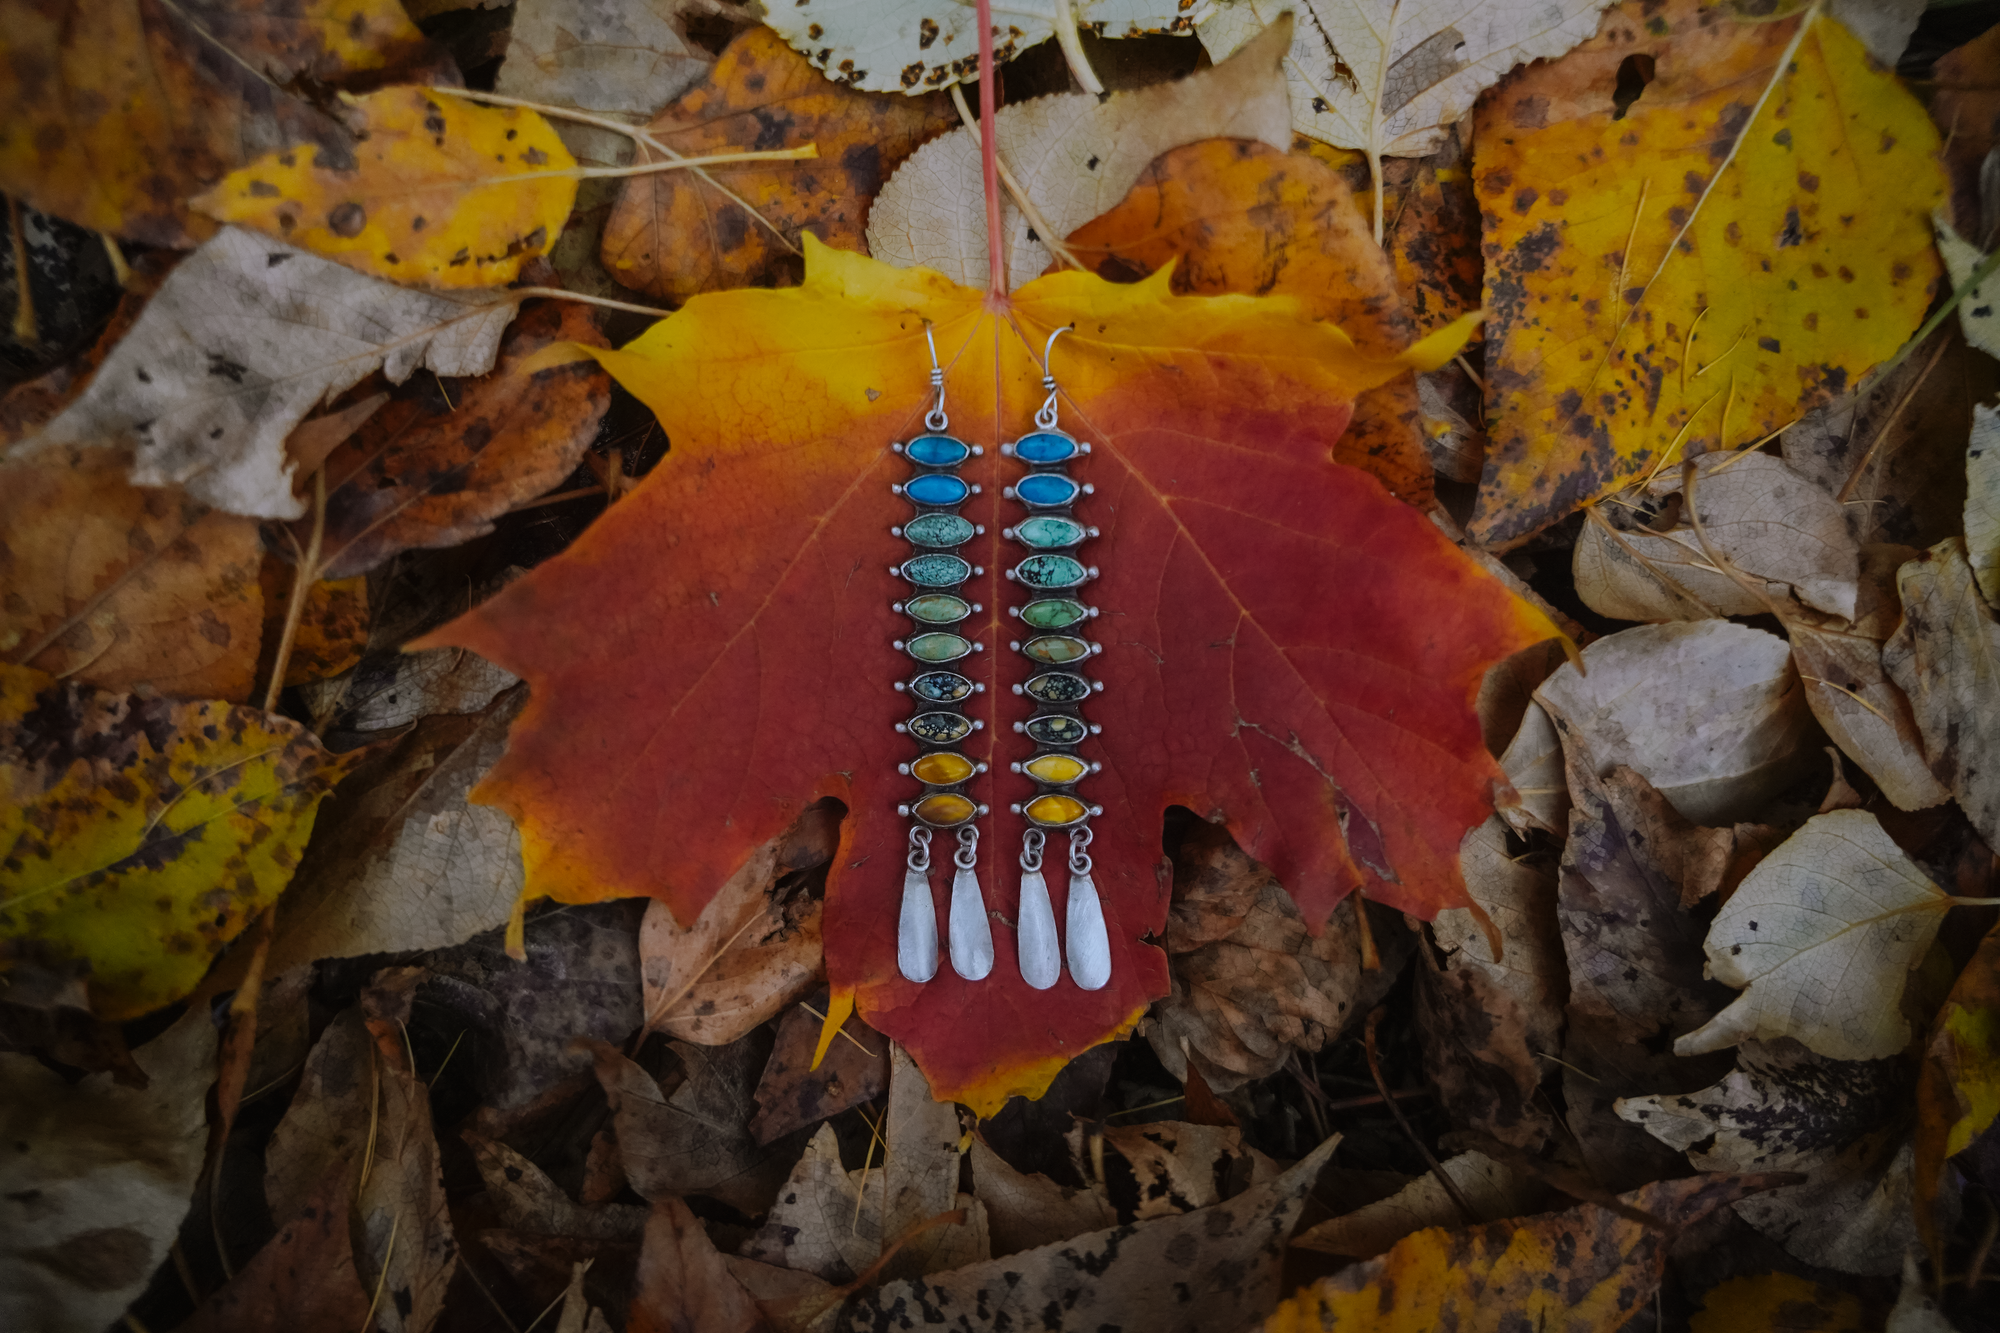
<point>1736,247</point>
<point>1958,1086</point>
<point>144,834</point>
<point>441,192</point>
<point>1780,1301</point>
<point>1586,1269</point>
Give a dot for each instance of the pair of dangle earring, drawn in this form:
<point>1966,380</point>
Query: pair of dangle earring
<point>1052,576</point>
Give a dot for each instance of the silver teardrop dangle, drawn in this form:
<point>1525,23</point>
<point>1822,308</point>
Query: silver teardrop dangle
<point>971,931</point>
<point>1089,943</point>
<point>916,928</point>
<point>1040,951</point>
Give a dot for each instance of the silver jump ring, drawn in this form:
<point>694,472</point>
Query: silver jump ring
<point>967,855</point>
<point>1079,860</point>
<point>1045,417</point>
<point>920,848</point>
<point>1031,849</point>
<point>935,418</point>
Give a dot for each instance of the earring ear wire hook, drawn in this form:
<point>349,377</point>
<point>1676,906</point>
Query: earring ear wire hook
<point>1045,417</point>
<point>935,418</point>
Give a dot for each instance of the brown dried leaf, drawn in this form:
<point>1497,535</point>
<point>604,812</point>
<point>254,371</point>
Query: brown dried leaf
<point>827,1220</point>
<point>1518,895</point>
<point>1946,658</point>
<point>525,1199</point>
<point>1024,1212</point>
<point>792,1095</point>
<point>683,1283</point>
<point>304,1279</point>
<point>1182,1167</point>
<point>920,1177</point>
<point>1494,1191</point>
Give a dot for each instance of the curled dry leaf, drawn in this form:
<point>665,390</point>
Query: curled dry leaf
<point>400,860</point>
<point>1730,204</point>
<point>1193,1273</point>
<point>442,460</point>
<point>695,1139</point>
<point>244,338</point>
<point>1786,1109</point>
<point>1493,1189</point>
<point>437,192</point>
<point>525,1199</point>
<point>1518,895</point>
<point>796,1093</point>
<point>1236,216</point>
<point>1709,712</point>
<point>1585,1269</point>
<point>754,949</point>
<point>1824,933</point>
<point>677,233</point>
<point>1074,156</point>
<point>1389,76</point>
<point>116,112</point>
<point>1946,657</point>
<point>143,835</point>
<point>907,46</point>
<point>115,585</point>
<point>1772,524</point>
<point>97,1179</point>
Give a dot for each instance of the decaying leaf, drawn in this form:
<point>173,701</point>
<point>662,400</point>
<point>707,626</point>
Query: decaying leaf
<point>921,1150</point>
<point>1786,1109</point>
<point>332,629</point>
<point>683,1283</point>
<point>1977,316</point>
<point>439,191</point>
<point>1235,216</point>
<point>389,692</point>
<point>1389,76</point>
<point>442,460</point>
<point>1958,1086</point>
<point>117,111</point>
<point>827,1220</point>
<point>796,1092</point>
<point>1780,1300</point>
<point>245,337</point>
<point>912,46</point>
<point>143,835</point>
<point>1982,501</point>
<point>1477,1060</point>
<point>1181,1167</point>
<point>677,233</point>
<point>1946,657</point>
<point>400,860</point>
<point>304,1277</point>
<point>1188,1274</point>
<point>1823,933</point>
<point>1773,525</point>
<point>1713,273</point>
<point>1586,1269</point>
<point>1518,895</point>
<point>1026,1212</point>
<point>600,56</point>
<point>116,585</point>
<point>753,950</point>
<point>525,1199</point>
<point>96,1179</point>
<point>1494,1191</point>
<point>1709,712</point>
<point>1074,156</point>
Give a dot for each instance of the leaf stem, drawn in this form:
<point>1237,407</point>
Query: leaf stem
<point>989,159</point>
<point>1014,187</point>
<point>805,153</point>
<point>558,294</point>
<point>302,580</point>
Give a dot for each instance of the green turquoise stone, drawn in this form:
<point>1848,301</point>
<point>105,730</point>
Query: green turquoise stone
<point>1053,613</point>
<point>942,728</point>
<point>1053,649</point>
<point>937,608</point>
<point>1050,571</point>
<point>1047,532</point>
<point>938,530</point>
<point>938,647</point>
<point>1055,729</point>
<point>936,571</point>
<point>1058,687</point>
<point>941,687</point>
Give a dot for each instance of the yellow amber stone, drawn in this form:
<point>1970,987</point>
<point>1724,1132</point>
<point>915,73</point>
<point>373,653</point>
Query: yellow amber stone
<point>1055,769</point>
<point>944,809</point>
<point>1054,809</point>
<point>942,769</point>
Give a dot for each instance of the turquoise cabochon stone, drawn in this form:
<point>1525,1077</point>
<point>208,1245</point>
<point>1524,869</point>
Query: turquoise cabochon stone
<point>937,608</point>
<point>1056,649</point>
<point>1053,613</point>
<point>938,530</point>
<point>936,571</point>
<point>1055,729</point>
<point>1045,490</point>
<point>936,488</point>
<point>939,647</point>
<point>1045,446</point>
<point>936,451</point>
<point>941,687</point>
<point>1047,532</point>
<point>1058,687</point>
<point>1050,571</point>
<point>940,728</point>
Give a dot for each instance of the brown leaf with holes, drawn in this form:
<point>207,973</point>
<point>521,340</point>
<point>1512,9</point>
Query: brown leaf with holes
<point>1237,216</point>
<point>677,233</point>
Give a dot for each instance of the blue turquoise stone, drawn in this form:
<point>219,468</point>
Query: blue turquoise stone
<point>1046,532</point>
<point>938,571</point>
<point>1050,571</point>
<point>936,451</point>
<point>941,728</point>
<point>936,488</point>
<point>1045,490</point>
<point>1054,613</point>
<point>938,530</point>
<point>1058,687</point>
<point>1056,729</point>
<point>1046,446</point>
<point>943,687</point>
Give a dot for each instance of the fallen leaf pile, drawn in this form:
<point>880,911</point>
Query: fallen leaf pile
<point>1544,589</point>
